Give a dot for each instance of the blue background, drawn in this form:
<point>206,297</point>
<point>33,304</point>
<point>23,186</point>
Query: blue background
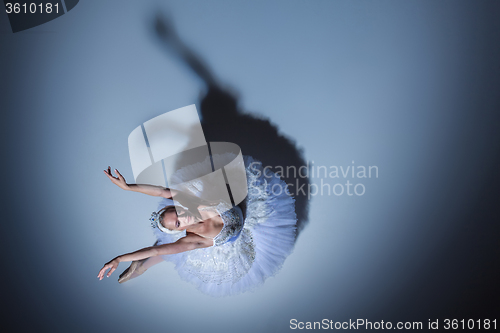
<point>409,86</point>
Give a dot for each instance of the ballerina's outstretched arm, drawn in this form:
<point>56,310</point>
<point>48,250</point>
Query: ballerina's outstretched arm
<point>188,200</point>
<point>156,191</point>
<point>188,243</point>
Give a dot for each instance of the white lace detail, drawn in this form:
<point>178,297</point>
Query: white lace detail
<point>225,263</point>
<point>233,266</point>
<point>228,262</point>
<point>233,223</point>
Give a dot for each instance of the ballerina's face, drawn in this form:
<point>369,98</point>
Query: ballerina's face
<point>173,221</point>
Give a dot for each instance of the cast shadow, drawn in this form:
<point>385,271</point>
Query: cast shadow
<point>223,120</point>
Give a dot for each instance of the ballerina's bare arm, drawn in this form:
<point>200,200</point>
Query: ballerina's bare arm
<point>156,191</point>
<point>188,243</point>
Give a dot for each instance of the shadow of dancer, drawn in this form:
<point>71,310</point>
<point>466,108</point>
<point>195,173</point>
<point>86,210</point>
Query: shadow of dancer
<point>222,120</point>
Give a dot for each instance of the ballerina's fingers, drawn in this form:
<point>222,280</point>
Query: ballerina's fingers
<point>113,268</point>
<point>111,177</point>
<point>103,270</point>
<point>110,173</point>
<point>107,174</point>
<point>119,175</point>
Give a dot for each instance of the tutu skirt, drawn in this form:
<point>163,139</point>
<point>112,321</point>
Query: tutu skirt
<point>259,251</point>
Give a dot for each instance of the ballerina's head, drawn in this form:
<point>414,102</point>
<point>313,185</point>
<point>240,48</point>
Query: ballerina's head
<point>172,219</point>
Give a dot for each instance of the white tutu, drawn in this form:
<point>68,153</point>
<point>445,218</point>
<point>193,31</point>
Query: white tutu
<point>259,251</point>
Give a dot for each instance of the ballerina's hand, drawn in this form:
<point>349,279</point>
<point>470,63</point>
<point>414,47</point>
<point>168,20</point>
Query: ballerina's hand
<point>113,264</point>
<point>118,181</point>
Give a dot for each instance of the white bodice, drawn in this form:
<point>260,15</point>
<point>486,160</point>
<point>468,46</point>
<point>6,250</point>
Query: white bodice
<point>247,250</point>
<point>232,219</point>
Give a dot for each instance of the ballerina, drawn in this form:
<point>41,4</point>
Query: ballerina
<point>209,249</point>
<point>222,250</point>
